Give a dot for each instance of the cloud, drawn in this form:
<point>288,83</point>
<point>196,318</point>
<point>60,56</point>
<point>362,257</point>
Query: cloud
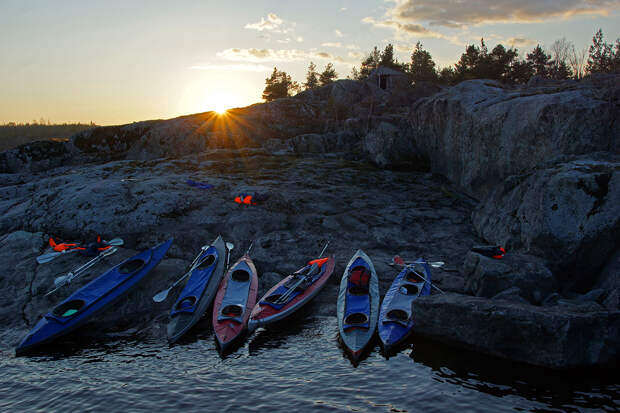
<point>235,67</point>
<point>271,55</point>
<point>520,42</point>
<point>332,44</point>
<point>340,45</point>
<point>407,28</point>
<point>272,22</point>
<point>338,33</point>
<point>343,9</point>
<point>451,13</point>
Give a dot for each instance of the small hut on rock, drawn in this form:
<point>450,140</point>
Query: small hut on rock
<point>387,79</point>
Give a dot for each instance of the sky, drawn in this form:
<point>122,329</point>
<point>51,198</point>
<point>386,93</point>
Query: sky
<point>115,62</point>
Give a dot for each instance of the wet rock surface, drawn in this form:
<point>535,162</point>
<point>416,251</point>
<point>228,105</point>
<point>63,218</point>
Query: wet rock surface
<point>351,204</point>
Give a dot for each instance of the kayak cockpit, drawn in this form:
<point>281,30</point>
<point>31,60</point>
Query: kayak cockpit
<point>131,266</point>
<point>69,308</point>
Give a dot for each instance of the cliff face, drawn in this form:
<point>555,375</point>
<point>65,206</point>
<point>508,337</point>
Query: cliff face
<point>478,133</point>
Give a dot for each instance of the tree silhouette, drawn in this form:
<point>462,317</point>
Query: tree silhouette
<point>601,56</point>
<point>312,79</point>
<point>328,75</point>
<point>422,66</point>
<point>279,85</point>
<point>540,61</point>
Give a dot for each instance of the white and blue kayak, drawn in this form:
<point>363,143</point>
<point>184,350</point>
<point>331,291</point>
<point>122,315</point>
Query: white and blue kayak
<point>358,304</point>
<point>396,315</point>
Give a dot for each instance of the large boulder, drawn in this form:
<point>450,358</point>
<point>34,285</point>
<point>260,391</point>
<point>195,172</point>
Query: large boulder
<point>556,337</point>
<point>567,213</point>
<point>517,274</point>
<point>479,132</point>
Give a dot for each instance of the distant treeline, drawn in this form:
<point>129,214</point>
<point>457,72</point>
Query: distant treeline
<point>13,134</point>
<point>560,61</point>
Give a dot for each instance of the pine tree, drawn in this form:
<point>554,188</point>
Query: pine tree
<point>422,66</point>
<point>279,85</point>
<point>312,80</point>
<point>540,61</point>
<point>369,64</point>
<point>465,68</point>
<point>328,75</point>
<point>601,56</point>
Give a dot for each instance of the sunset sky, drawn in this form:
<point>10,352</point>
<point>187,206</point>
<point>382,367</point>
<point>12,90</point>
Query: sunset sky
<point>116,62</point>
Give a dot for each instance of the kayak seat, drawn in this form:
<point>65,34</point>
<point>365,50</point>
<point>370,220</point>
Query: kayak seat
<point>68,309</point>
<point>232,310</point>
<point>240,276</point>
<point>186,304</point>
<point>397,315</point>
<point>131,266</point>
<point>409,289</point>
<point>414,277</point>
<point>206,262</point>
<point>358,281</point>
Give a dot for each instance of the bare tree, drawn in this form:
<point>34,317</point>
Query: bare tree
<point>561,50</point>
<point>578,59</point>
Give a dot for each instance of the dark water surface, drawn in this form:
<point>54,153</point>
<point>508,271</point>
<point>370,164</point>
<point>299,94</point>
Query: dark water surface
<point>297,365</point>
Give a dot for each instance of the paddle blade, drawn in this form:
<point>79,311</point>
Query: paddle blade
<point>116,242</point>
<point>42,259</point>
<point>161,296</point>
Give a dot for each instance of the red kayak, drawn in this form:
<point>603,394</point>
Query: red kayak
<point>234,301</point>
<point>292,292</point>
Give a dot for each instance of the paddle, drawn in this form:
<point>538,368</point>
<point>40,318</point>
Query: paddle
<point>420,275</point>
<point>63,280</point>
<point>302,279</point>
<point>162,295</point>
<point>229,247</point>
<point>42,259</point>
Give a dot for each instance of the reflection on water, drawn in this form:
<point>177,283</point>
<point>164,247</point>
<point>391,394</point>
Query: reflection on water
<point>293,364</point>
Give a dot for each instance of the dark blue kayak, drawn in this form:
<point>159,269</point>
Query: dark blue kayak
<point>93,298</point>
<point>199,291</point>
<point>395,316</point>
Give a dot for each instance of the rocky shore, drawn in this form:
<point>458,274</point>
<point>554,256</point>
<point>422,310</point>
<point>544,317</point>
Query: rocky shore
<point>427,171</point>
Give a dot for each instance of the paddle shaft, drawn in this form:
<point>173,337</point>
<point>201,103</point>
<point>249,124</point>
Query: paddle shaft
<point>72,275</point>
<point>291,289</point>
<point>421,276</point>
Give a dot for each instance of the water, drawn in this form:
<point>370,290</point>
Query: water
<point>297,365</point>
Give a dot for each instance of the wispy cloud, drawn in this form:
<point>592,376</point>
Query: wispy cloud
<point>451,14</point>
<point>338,33</point>
<point>520,42</point>
<point>408,28</point>
<point>236,67</point>
<point>340,45</point>
<point>272,22</point>
<point>281,55</point>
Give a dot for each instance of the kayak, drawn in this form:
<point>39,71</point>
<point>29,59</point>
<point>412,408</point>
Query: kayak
<point>234,301</point>
<point>93,298</point>
<point>395,317</point>
<point>199,291</point>
<point>290,294</point>
<point>358,304</point>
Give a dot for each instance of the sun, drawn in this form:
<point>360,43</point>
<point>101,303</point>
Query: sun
<point>220,101</point>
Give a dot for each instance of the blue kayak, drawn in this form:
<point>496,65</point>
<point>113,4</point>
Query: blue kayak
<point>358,304</point>
<point>395,316</point>
<point>93,298</point>
<point>198,293</point>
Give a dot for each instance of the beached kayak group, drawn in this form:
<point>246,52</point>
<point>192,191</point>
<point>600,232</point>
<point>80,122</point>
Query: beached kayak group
<point>233,289</point>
